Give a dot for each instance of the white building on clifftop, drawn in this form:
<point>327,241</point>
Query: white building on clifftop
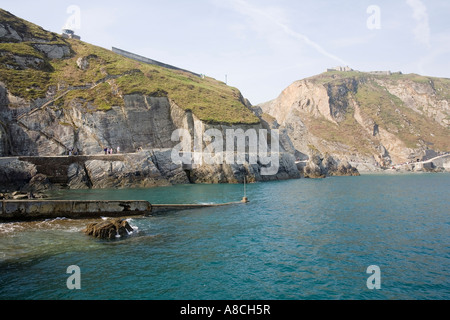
<point>70,34</point>
<point>342,69</point>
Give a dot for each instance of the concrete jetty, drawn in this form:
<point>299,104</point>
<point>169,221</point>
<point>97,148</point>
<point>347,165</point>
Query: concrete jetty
<point>163,208</point>
<point>33,210</point>
<point>23,210</point>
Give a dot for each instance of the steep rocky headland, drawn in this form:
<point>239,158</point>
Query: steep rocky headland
<point>374,121</point>
<point>61,96</point>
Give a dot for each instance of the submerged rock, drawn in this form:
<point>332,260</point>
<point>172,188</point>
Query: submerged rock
<point>109,229</point>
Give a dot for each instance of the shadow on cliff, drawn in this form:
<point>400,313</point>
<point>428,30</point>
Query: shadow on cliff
<point>14,140</point>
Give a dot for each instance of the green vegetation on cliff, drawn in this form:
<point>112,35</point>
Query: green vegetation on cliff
<point>107,77</point>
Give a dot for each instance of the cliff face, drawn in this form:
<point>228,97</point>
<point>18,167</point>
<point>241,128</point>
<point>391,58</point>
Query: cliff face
<point>369,120</point>
<point>143,122</point>
<point>60,94</point>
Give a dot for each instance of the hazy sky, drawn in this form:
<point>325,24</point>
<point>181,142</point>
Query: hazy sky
<point>261,46</point>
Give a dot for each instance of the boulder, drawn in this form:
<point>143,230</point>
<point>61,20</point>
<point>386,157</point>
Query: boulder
<point>322,167</point>
<point>346,169</point>
<point>38,184</point>
<point>83,63</point>
<point>430,167</point>
<point>313,171</point>
<point>15,174</point>
<point>53,51</point>
<point>330,164</point>
<point>16,195</point>
<point>109,229</point>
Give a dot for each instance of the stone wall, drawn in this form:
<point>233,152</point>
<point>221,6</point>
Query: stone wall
<point>52,209</point>
<point>148,61</point>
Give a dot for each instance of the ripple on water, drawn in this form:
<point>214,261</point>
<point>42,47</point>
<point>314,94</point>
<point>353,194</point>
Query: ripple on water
<point>299,239</point>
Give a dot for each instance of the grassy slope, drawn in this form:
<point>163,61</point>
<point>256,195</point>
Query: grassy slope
<point>210,100</point>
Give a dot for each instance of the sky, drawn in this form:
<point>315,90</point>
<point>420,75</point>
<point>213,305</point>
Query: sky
<point>260,46</point>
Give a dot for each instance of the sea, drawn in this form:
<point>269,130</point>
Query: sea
<point>373,237</point>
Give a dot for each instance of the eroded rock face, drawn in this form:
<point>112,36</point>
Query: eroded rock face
<point>135,171</point>
<point>314,171</point>
<point>345,169</point>
<point>4,148</point>
<point>319,166</point>
<point>423,98</point>
<point>38,184</point>
<point>109,229</point>
<point>369,121</point>
<point>145,169</point>
<point>14,174</point>
<point>7,33</point>
<point>143,122</point>
<point>18,62</point>
<point>54,51</point>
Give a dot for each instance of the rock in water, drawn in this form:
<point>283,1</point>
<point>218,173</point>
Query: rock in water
<point>346,169</point>
<point>109,229</point>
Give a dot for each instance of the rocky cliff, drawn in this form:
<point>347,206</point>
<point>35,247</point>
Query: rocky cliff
<point>371,121</point>
<point>61,96</point>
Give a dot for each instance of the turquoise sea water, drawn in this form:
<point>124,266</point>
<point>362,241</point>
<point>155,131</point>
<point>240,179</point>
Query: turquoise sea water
<point>295,240</point>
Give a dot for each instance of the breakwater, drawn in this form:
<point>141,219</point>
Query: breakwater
<point>163,208</point>
<point>32,210</point>
<point>20,210</point>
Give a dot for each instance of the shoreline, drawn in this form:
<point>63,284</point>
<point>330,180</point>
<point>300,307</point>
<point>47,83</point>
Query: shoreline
<point>398,172</point>
<point>154,168</point>
<point>24,194</point>
<point>16,211</point>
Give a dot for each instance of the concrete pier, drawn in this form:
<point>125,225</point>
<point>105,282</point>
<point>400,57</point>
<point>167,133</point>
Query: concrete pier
<point>163,208</point>
<point>33,210</point>
<point>20,210</point>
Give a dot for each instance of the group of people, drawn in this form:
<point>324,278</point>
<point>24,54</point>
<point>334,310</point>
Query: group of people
<point>73,152</point>
<point>111,150</point>
<point>76,152</point>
